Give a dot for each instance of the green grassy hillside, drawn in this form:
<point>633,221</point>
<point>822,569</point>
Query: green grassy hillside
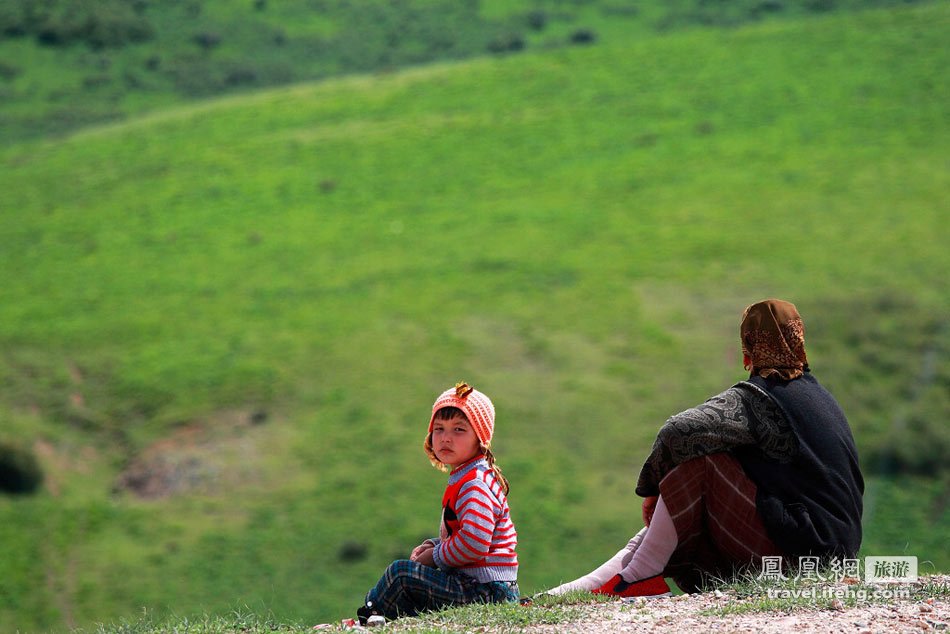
<point>65,64</point>
<point>244,307</point>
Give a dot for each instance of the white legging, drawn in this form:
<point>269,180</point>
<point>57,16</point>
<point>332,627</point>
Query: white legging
<point>605,572</point>
<point>645,555</point>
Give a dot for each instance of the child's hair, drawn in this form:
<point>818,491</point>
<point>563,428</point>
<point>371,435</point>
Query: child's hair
<point>448,413</point>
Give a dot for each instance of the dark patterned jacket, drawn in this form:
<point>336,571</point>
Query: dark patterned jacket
<point>794,443</point>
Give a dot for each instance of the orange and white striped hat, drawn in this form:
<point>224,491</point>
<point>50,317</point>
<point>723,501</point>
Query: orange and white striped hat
<point>477,407</point>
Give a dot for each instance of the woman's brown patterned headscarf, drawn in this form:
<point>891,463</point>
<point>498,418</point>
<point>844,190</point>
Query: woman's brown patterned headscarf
<point>773,336</point>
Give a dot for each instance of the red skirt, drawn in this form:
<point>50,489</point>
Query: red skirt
<point>718,528</point>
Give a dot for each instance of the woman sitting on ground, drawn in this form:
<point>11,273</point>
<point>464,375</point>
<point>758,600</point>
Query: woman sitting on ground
<point>766,468</point>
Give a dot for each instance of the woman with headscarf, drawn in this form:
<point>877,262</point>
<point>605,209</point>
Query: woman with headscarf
<point>766,468</point>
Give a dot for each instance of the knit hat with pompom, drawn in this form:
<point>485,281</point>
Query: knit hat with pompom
<point>477,407</point>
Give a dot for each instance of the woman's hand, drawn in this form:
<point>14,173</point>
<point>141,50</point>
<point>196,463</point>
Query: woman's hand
<point>423,550</point>
<point>649,506</point>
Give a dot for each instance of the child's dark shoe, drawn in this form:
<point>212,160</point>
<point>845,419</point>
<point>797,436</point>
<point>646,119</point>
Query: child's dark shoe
<point>365,611</point>
<point>649,588</point>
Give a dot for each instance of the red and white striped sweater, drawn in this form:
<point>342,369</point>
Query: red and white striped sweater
<point>477,536</point>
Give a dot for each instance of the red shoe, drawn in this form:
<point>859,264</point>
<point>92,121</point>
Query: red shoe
<point>649,588</point>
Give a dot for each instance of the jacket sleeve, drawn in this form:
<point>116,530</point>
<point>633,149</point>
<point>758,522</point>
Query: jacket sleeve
<point>477,511</point>
<point>743,415</point>
<point>720,424</point>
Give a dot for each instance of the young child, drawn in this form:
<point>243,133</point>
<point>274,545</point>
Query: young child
<point>473,560</point>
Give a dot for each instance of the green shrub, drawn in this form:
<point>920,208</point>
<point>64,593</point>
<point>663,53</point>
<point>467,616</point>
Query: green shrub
<point>8,72</point>
<point>537,20</point>
<point>12,23</point>
<point>207,40</point>
<point>891,367</point>
<point>720,13</point>
<point>506,43</point>
<point>110,24</point>
<point>583,36</point>
<point>20,472</point>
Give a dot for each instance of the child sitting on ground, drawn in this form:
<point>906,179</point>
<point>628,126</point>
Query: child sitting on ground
<point>473,560</point>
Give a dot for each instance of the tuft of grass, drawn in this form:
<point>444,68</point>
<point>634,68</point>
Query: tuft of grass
<point>749,594</point>
<point>504,616</point>
<point>246,622</point>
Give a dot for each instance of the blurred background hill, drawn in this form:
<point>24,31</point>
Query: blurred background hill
<point>65,64</point>
<point>244,246</point>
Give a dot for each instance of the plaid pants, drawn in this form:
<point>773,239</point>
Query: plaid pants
<point>712,504</point>
<point>408,588</point>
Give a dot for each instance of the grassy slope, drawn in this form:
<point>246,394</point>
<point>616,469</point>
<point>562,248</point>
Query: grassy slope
<point>574,232</point>
<point>101,71</point>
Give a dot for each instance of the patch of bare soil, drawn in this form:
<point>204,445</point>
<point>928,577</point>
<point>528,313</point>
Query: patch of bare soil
<point>199,457</point>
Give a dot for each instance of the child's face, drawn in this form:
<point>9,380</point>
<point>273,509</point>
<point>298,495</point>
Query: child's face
<point>454,441</point>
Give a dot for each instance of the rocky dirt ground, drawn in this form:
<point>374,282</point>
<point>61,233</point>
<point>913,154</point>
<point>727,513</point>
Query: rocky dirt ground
<point>702,613</point>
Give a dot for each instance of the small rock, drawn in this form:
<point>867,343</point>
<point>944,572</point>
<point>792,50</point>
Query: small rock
<point>837,605</point>
<point>926,608</point>
<point>860,624</point>
<point>924,625</point>
<point>719,594</point>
